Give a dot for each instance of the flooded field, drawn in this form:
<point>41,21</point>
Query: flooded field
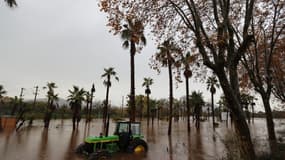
<point>59,141</point>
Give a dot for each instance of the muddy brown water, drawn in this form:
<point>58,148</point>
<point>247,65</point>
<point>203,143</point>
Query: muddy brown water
<point>59,141</point>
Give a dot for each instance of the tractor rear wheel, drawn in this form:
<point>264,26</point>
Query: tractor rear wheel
<point>137,146</point>
<point>100,155</point>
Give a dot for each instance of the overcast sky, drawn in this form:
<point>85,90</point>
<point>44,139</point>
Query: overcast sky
<point>67,42</point>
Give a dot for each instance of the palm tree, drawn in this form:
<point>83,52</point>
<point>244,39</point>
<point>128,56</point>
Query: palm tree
<point>147,82</point>
<point>109,72</point>
<point>212,82</point>
<point>187,74</point>
<point>196,100</point>
<point>50,104</point>
<point>11,3</point>
<point>165,57</point>
<point>133,35</point>
<point>76,97</point>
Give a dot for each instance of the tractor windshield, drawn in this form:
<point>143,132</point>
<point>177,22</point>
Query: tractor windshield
<point>124,127</point>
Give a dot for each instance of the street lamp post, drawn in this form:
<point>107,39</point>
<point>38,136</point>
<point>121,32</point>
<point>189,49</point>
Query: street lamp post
<point>91,100</point>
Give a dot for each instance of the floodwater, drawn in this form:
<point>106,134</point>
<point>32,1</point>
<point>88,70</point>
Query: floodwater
<point>59,141</point>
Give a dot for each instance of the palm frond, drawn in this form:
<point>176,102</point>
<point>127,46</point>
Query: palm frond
<point>107,83</point>
<point>126,34</point>
<point>11,3</point>
<point>126,44</point>
<point>143,40</point>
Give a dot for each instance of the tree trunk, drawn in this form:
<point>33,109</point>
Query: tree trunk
<point>47,119</point>
<point>105,109</point>
<point>47,115</point>
<point>90,111</point>
<point>170,97</point>
<point>246,146</point>
<point>73,120</point>
<point>90,107</point>
<point>132,94</point>
<point>147,101</point>
<point>187,103</point>
<point>269,122</point>
<point>239,119</point>
<point>87,111</point>
<point>107,125</point>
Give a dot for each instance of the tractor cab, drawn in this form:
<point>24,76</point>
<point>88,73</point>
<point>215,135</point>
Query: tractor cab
<point>132,128</point>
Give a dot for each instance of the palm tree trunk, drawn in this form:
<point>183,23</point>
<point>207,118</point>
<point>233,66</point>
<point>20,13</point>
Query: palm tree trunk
<point>187,103</point>
<point>74,118</point>
<point>105,110</point>
<point>213,112</point>
<point>147,101</point>
<point>87,111</point>
<point>170,97</point>
<point>90,107</point>
<point>132,94</point>
<point>47,114</point>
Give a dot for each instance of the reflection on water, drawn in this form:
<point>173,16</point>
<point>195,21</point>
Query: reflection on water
<point>69,153</point>
<point>170,148</point>
<point>43,145</point>
<point>59,141</point>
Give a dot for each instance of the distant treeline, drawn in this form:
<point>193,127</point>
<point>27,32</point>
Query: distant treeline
<point>276,114</point>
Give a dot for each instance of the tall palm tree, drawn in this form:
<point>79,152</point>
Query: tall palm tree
<point>186,60</point>
<point>196,100</point>
<point>11,3</point>
<point>147,82</point>
<point>50,104</point>
<point>76,97</point>
<point>109,73</point>
<point>165,57</point>
<point>133,35</point>
<point>212,82</point>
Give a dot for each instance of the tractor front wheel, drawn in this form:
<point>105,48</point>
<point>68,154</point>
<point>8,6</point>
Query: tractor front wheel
<point>100,155</point>
<point>137,146</point>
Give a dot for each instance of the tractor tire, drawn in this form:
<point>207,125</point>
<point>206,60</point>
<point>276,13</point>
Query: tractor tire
<point>137,146</point>
<point>100,155</point>
<point>84,148</point>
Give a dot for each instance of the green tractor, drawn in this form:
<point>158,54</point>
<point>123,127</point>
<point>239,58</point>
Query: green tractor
<point>127,138</point>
